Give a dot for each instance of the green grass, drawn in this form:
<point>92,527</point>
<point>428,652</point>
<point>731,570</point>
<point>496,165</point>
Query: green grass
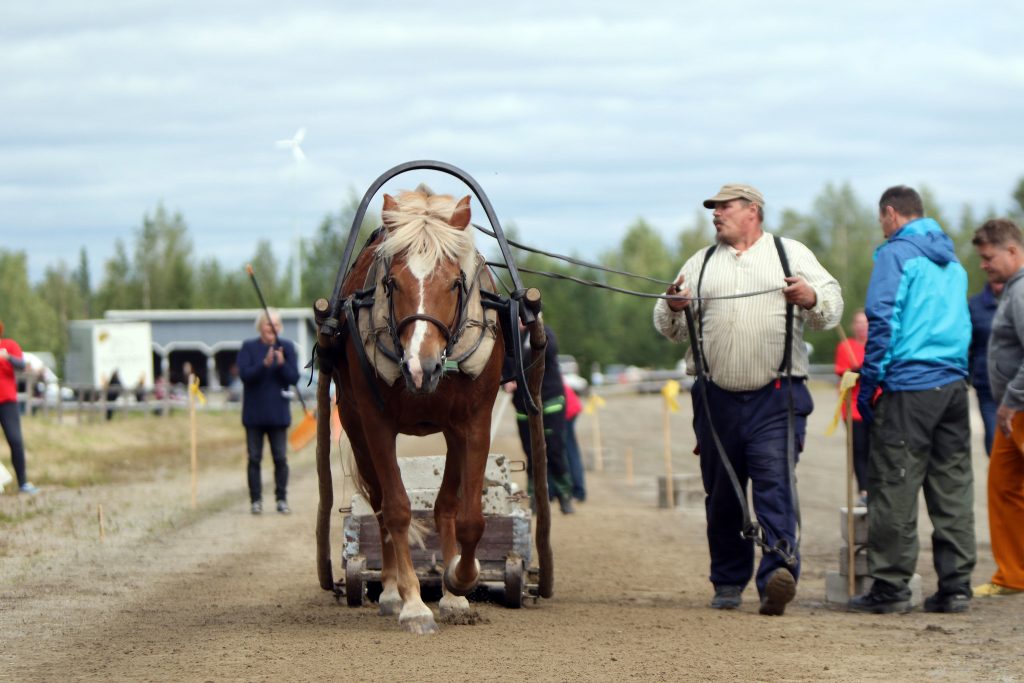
<point>131,447</point>
<point>7,519</point>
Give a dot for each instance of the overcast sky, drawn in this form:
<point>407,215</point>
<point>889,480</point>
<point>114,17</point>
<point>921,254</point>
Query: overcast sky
<point>575,117</point>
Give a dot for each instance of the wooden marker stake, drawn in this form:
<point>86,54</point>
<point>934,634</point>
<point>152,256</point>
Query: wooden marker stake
<point>629,465</point>
<point>669,493</point>
<point>193,435</point>
<point>99,518</point>
<point>851,548</point>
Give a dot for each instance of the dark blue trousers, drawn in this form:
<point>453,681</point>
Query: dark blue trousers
<point>752,426</point>
<point>988,407</point>
<point>278,438</point>
<point>10,422</point>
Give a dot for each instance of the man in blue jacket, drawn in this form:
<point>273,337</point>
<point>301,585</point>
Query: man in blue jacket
<point>267,367</point>
<point>919,330</point>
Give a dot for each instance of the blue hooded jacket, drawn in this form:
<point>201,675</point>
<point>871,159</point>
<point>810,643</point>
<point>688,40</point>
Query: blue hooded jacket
<point>919,328</point>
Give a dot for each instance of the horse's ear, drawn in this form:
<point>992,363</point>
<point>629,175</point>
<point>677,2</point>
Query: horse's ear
<point>460,216</point>
<point>389,205</point>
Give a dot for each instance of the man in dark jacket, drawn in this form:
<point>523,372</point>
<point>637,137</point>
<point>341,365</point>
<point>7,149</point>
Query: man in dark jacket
<point>267,367</point>
<point>983,306</point>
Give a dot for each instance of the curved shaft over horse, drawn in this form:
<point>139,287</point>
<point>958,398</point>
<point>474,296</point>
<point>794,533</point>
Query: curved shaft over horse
<point>424,263</point>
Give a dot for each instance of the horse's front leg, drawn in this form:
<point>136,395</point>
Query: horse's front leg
<point>469,454</point>
<point>445,513</point>
<point>390,602</point>
<point>398,569</point>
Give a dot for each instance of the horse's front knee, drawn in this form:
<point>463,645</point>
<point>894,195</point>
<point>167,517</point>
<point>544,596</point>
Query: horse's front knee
<point>469,531</point>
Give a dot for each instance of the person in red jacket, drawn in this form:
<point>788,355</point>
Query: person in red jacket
<point>12,359</point>
<point>850,356</point>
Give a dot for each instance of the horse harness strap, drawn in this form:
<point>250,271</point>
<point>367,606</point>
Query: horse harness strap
<point>352,326</point>
<point>751,529</point>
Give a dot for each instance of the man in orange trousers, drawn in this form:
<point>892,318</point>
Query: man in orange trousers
<point>1000,245</point>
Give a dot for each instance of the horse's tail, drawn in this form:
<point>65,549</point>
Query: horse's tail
<point>418,529</point>
<point>358,483</point>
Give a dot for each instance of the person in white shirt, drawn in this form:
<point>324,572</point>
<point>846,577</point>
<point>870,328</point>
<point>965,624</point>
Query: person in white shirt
<point>747,376</point>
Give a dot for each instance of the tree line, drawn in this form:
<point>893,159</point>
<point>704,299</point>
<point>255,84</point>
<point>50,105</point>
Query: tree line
<point>158,270</point>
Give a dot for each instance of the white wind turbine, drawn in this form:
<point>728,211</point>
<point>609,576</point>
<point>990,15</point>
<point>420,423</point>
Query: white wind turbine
<point>294,143</point>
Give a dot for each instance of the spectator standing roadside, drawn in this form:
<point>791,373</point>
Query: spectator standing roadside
<point>744,348</point>
<point>918,333</point>
<point>982,307</point>
<point>12,359</point>
<point>267,370</point>
<point>573,408</point>
<point>850,357</point>
<point>1001,247</point>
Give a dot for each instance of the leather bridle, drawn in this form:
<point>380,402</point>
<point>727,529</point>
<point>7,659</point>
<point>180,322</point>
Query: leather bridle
<point>452,333</point>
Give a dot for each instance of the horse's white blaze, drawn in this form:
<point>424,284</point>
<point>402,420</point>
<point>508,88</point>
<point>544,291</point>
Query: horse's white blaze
<point>419,268</point>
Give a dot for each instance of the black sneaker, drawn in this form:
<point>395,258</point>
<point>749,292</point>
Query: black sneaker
<point>947,602</point>
<point>565,505</point>
<point>778,592</point>
<point>727,597</point>
<point>880,600</point>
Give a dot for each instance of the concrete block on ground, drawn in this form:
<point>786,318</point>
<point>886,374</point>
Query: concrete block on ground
<point>860,525</point>
<point>685,488</point>
<point>860,561</point>
<point>916,598</point>
<point>837,587</point>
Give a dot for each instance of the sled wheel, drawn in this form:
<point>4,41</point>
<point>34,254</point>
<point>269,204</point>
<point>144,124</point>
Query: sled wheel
<point>354,581</point>
<point>514,572</point>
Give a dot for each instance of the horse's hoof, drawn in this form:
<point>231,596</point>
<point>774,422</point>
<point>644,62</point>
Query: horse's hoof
<point>420,625</point>
<point>451,583</point>
<point>452,606</point>
<point>390,608</point>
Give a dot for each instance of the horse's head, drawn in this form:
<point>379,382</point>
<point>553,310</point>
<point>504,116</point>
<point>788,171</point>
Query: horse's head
<point>429,255</point>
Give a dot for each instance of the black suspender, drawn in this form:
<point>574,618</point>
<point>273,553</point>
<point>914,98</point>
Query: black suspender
<point>787,354</point>
<point>786,367</point>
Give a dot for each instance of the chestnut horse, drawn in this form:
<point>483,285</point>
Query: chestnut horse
<point>425,258</point>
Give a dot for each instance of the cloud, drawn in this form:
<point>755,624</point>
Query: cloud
<point>576,117</point>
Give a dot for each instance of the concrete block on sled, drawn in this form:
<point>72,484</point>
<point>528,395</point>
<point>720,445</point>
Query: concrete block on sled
<point>504,551</point>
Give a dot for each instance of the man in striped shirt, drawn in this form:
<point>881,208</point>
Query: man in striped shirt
<point>748,375</point>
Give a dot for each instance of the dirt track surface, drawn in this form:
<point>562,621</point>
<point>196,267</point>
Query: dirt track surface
<point>217,594</point>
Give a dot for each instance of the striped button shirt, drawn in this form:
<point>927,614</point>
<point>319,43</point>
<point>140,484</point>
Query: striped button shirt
<point>744,338</point>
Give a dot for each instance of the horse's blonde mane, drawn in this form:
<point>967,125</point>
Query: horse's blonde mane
<point>419,227</point>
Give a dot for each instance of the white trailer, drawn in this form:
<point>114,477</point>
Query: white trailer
<point>98,348</point>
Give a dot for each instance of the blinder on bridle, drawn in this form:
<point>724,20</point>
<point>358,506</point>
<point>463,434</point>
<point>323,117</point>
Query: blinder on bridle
<point>451,333</point>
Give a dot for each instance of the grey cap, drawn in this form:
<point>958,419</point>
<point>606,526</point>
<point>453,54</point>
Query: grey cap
<point>735,191</point>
